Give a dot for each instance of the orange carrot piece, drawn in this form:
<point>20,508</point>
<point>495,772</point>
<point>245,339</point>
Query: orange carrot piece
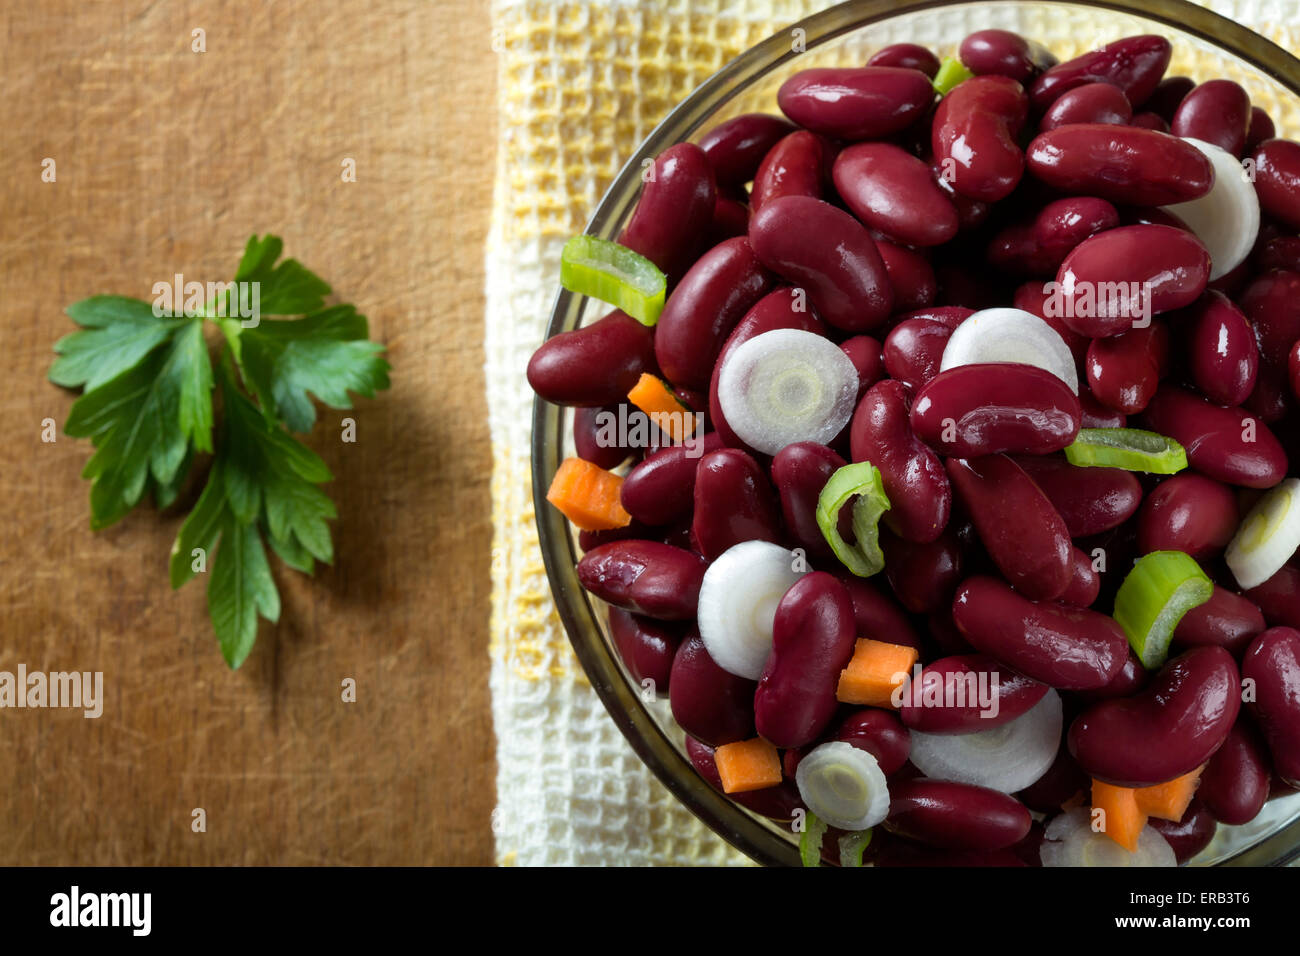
<point>874,672</point>
<point>1170,800</point>
<point>588,496</point>
<point>1124,819</point>
<point>748,765</point>
<point>653,397</point>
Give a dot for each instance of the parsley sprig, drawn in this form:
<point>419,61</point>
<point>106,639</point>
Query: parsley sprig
<point>147,408</point>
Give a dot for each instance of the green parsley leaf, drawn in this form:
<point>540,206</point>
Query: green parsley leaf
<point>147,409</point>
<point>117,334</point>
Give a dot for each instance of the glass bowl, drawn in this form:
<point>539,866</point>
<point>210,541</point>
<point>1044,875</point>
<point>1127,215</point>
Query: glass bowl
<point>1205,45</point>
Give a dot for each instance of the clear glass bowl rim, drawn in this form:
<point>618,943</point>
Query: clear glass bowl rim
<point>575,608</point>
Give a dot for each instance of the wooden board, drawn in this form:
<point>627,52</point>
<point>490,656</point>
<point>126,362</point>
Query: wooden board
<point>166,161</point>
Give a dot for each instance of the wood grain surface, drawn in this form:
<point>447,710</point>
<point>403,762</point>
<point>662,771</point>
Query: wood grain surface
<point>166,161</point>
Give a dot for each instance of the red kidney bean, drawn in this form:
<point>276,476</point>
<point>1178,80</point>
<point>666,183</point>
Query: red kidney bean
<point>1226,444</point>
<point>705,307</point>
<point>1116,279</point>
<point>1090,103</point>
<point>1272,306</point>
<point>910,275</point>
<point>957,816</point>
<point>1014,250</point>
<point>1169,95</point>
<point>645,577</point>
<point>661,488</point>
<point>1085,583</point>
<point>1124,164</point>
<point>730,219</point>
<point>913,477</point>
<point>588,441</point>
<point>1064,223</point>
<point>1278,598</point>
<point>867,356</point>
<point>1003,53</point>
<point>1151,121</point>
<point>1190,835</point>
<point>1062,783</point>
<point>1167,730</point>
<point>971,213</point>
<point>1097,415</point>
<point>891,190</point>
<point>1222,355</point>
<point>1089,500</point>
<point>737,146</point>
<point>856,103</point>
<point>827,252</point>
<point>734,502</point>
<point>923,576</point>
<point>800,471</point>
<point>1277,179</point>
<point>1190,513</point>
<point>784,308</point>
<point>1125,370</point>
<point>646,647</point>
<point>949,315</point>
<point>675,208</point>
<point>913,350</point>
<point>1234,785</point>
<point>877,616</point>
<point>1276,252</point>
<point>880,734</point>
<point>974,137</point>
<point>595,365</point>
<point>1134,64</point>
<point>776,803</point>
<point>950,679</point>
<point>1261,128</point>
<point>1226,619</point>
<point>1064,647</point>
<point>793,167</point>
<point>1273,663</point>
<point>1132,677</point>
<point>812,641</point>
<point>974,410</point>
<point>1218,112</point>
<point>1019,528</point>
<point>909,56</point>
<point>707,702</point>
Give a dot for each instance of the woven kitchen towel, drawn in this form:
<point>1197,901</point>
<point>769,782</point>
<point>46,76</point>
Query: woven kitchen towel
<point>580,84</point>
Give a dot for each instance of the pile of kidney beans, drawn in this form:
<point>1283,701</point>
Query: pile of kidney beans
<point>990,541</point>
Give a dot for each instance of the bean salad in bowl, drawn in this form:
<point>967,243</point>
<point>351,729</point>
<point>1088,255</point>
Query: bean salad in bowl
<point>934,456</point>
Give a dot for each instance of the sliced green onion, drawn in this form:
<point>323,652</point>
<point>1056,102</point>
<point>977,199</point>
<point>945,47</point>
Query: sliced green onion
<point>1267,536</point>
<point>1161,588</point>
<point>862,479</point>
<point>951,72</point>
<point>615,274</point>
<point>852,846</point>
<point>843,785</point>
<point>810,841</point>
<point>1129,448</point>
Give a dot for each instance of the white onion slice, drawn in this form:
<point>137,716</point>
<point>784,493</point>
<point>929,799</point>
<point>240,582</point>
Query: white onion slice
<point>1267,536</point>
<point>1226,219</point>
<point>843,785</point>
<point>738,602</point>
<point>786,386</point>
<point>1010,335</point>
<point>1071,841</point>
<point>1006,758</point>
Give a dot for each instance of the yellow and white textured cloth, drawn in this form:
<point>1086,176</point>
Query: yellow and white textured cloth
<point>580,85</point>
